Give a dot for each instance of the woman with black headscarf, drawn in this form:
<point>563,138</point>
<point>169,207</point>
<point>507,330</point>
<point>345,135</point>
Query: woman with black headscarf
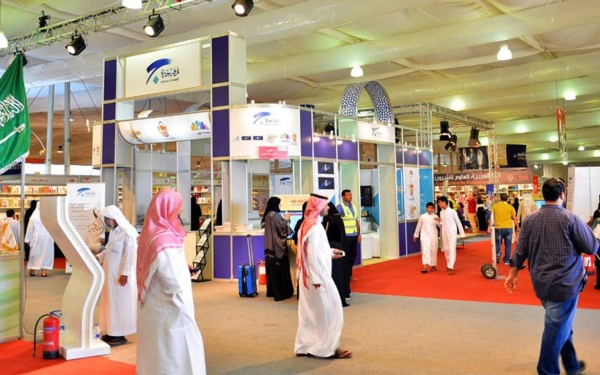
<point>336,236</point>
<point>277,262</point>
<point>28,213</point>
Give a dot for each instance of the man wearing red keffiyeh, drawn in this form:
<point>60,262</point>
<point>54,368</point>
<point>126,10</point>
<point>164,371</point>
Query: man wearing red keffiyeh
<point>320,315</point>
<point>169,341</point>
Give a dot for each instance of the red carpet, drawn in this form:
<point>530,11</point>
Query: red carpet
<point>17,358</point>
<point>402,277</point>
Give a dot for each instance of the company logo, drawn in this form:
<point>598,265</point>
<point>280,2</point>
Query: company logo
<point>160,68</point>
<point>376,132</point>
<point>265,118</point>
<point>257,137</point>
<point>86,192</point>
<point>200,127</point>
<point>285,181</point>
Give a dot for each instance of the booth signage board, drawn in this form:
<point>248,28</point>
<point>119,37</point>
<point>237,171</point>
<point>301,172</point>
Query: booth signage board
<point>373,132</point>
<point>266,125</point>
<point>170,69</point>
<point>506,177</point>
<point>412,199</point>
<point>96,145</point>
<point>273,152</point>
<point>292,202</point>
<point>185,127</point>
<point>85,200</point>
<point>325,178</point>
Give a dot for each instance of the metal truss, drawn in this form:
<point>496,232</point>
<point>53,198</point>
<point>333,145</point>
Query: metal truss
<point>95,22</point>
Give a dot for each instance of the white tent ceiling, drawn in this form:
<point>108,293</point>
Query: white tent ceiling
<point>437,51</point>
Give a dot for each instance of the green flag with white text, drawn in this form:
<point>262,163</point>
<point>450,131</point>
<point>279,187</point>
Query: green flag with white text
<point>14,117</point>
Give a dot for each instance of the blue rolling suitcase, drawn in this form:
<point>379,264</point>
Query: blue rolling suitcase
<point>247,274</point>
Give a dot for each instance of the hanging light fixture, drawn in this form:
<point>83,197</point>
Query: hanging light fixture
<point>504,53</point>
<point>154,26</point>
<point>43,20</point>
<point>444,131</point>
<point>452,142</point>
<point>356,72</point>
<point>132,4</point>
<point>76,45</point>
<point>60,149</point>
<point>242,8</point>
<point>474,138</point>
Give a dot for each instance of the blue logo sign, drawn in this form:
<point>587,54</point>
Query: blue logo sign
<point>265,118</point>
<point>152,68</point>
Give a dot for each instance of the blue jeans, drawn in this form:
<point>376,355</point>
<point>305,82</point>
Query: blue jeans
<point>506,234</point>
<point>557,338</point>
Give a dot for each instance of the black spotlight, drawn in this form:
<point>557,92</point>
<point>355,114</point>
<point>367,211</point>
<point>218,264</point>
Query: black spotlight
<point>474,138</point>
<point>154,26</point>
<point>242,8</point>
<point>452,142</point>
<point>444,131</point>
<point>76,45</point>
<point>43,20</point>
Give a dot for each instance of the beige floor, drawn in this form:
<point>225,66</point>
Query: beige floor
<point>388,334</point>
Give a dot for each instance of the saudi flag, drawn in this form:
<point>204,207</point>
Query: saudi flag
<point>14,117</point>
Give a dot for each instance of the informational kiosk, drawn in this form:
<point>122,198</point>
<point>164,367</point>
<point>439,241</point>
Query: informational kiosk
<point>85,284</point>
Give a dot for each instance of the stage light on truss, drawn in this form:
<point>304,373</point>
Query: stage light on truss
<point>444,131</point>
<point>76,45</point>
<point>43,20</point>
<point>154,26</point>
<point>452,142</point>
<point>474,138</point>
<point>242,8</point>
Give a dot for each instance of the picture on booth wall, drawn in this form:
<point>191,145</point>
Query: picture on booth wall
<point>473,158</point>
<point>326,183</point>
<point>325,167</point>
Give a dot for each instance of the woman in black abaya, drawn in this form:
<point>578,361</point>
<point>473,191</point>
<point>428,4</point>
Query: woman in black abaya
<point>277,261</point>
<point>336,235</point>
<point>28,213</point>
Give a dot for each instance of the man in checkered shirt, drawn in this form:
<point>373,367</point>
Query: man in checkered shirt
<point>552,240</point>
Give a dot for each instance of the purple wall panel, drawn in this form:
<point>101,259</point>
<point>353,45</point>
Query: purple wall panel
<point>425,157</point>
<point>220,136</point>
<point>348,150</point>
<point>399,153</point>
<point>220,59</point>
<point>410,156</point>
<point>325,148</point>
<point>240,250</point>
<point>110,80</point>
<point>306,133</point>
<point>108,143</point>
<point>221,257</point>
<point>109,111</point>
<point>220,96</point>
<point>402,239</point>
<point>412,247</point>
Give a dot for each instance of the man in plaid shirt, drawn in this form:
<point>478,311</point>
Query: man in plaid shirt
<point>552,240</point>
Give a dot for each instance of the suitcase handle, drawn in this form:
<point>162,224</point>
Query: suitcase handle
<point>250,249</point>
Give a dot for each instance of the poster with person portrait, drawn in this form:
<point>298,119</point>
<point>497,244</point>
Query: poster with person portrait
<point>473,158</point>
<point>412,197</point>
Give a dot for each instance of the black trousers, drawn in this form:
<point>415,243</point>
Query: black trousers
<point>351,252</point>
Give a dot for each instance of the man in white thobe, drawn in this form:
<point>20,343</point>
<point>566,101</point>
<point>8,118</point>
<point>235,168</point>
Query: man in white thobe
<point>320,315</point>
<point>41,255</point>
<point>450,224</point>
<point>118,301</point>
<point>15,226</point>
<point>427,228</point>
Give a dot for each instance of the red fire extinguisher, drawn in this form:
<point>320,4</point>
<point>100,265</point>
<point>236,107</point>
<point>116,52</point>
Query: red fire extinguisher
<point>51,336</point>
<point>262,273</point>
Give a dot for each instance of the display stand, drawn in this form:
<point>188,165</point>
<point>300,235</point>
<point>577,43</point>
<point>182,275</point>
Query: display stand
<point>202,248</point>
<point>84,286</point>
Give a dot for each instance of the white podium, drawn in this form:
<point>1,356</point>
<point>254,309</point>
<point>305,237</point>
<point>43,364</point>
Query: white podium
<point>84,286</point>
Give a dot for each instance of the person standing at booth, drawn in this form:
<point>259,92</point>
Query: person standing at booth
<point>320,314</point>
<point>450,226</point>
<point>351,217</point>
<point>41,244</point>
<point>15,226</point>
<point>472,212</point>
<point>427,229</point>
<point>118,300</point>
<point>168,338</point>
<point>504,217</point>
<point>277,261</point>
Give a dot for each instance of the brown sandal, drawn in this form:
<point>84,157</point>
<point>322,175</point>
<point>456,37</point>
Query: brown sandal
<point>341,354</point>
<point>31,273</point>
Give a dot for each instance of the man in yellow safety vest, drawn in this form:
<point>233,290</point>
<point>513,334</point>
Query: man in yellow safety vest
<point>350,215</point>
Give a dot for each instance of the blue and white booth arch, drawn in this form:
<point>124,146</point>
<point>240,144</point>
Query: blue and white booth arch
<point>378,95</point>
